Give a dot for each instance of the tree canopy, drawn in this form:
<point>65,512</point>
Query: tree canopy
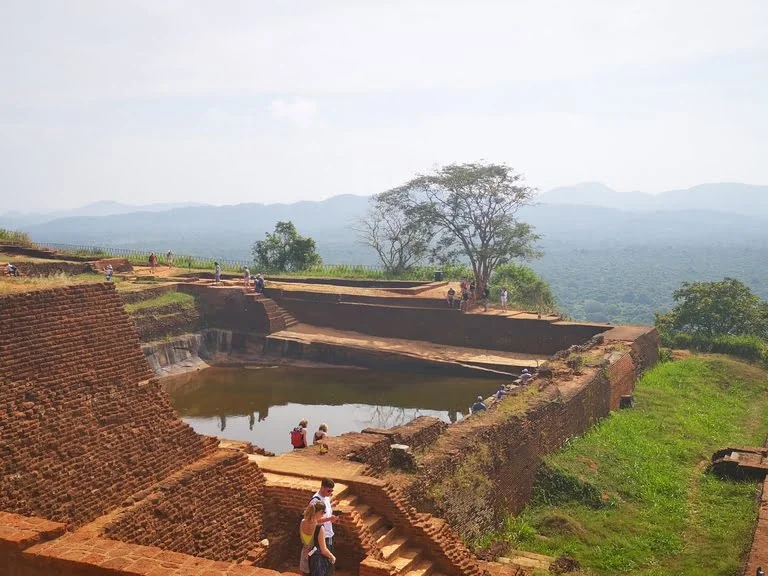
<point>526,289</point>
<point>724,308</point>
<point>472,209</point>
<point>284,250</point>
<point>401,240</point>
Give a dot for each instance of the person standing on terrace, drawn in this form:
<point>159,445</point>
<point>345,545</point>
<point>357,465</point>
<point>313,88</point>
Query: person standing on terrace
<point>169,257</point>
<point>152,262</point>
<point>216,273</point>
<point>246,277</point>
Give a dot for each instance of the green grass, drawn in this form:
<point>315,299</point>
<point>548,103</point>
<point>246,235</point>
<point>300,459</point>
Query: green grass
<point>186,300</point>
<point>660,511</point>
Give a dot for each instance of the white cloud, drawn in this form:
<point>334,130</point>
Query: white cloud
<point>299,111</point>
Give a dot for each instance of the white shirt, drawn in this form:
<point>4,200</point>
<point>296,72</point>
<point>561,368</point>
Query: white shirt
<point>328,512</point>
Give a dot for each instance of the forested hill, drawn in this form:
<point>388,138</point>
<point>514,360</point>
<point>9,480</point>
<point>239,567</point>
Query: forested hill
<point>603,263</point>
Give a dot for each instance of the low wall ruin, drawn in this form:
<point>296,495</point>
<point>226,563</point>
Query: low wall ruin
<point>450,327</point>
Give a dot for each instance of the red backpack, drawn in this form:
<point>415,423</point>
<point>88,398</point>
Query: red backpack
<point>297,437</point>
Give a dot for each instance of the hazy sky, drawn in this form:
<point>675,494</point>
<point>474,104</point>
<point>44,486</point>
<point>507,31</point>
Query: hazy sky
<point>266,101</point>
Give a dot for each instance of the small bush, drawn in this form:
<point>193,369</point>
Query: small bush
<point>751,348</point>
<point>14,237</point>
<point>555,486</point>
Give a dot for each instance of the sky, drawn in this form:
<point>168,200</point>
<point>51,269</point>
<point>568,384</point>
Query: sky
<point>279,101</point>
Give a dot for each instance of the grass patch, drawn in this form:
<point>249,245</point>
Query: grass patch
<point>635,493</point>
<point>186,301</point>
<point>10,285</point>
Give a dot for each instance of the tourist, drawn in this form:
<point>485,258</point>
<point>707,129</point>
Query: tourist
<point>246,277</point>
<point>486,295</point>
<point>501,392</point>
<point>216,273</point>
<point>504,295</point>
<point>451,297</point>
<point>464,307</point>
<point>472,295</point>
<point>307,528</point>
<point>108,272</point>
<point>320,438</point>
<point>299,436</point>
<point>169,257</point>
<point>258,283</point>
<point>324,495</point>
<point>12,270</point>
<point>525,377</point>
<point>152,262</point>
<point>478,406</point>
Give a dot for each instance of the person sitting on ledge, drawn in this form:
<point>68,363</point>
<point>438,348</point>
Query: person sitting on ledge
<point>478,406</point>
<point>501,392</point>
<point>12,270</point>
<point>525,377</point>
<point>320,438</point>
<point>299,435</point>
<point>451,297</point>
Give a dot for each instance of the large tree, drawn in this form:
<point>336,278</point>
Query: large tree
<point>284,250</point>
<point>714,309</point>
<point>400,239</point>
<point>473,208</point>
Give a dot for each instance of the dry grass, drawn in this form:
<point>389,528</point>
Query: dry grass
<point>10,285</point>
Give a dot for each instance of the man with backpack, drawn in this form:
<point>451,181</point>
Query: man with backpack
<point>299,435</point>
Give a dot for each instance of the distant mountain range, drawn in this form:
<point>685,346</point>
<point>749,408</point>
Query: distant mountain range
<point>726,197</point>
<point>103,208</point>
<point>609,256</point>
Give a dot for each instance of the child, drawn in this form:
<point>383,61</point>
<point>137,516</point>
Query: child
<point>320,438</point>
<point>108,272</point>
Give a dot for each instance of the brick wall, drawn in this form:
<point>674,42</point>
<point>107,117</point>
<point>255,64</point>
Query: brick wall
<point>481,469</point>
<point>82,428</point>
<point>433,535</point>
<point>234,309</point>
<point>134,296</point>
<point>52,268</point>
<point>73,555</point>
<point>212,509</point>
<point>449,327</point>
<point>417,433</point>
<point>171,320</point>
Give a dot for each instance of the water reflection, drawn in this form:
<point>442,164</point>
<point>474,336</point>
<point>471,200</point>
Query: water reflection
<point>262,405</point>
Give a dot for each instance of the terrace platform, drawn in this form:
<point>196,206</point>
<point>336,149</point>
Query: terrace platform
<point>500,362</point>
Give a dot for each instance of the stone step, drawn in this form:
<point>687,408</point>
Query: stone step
<point>374,521</point>
<point>423,568</point>
<point>349,501</point>
<point>393,547</point>
<point>406,559</point>
<point>363,509</point>
<point>384,536</point>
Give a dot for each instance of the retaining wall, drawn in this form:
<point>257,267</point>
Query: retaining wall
<point>484,467</point>
<point>451,327</point>
<point>212,509</point>
<point>83,426</point>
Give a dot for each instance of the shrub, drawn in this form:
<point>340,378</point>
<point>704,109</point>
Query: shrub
<point>14,237</point>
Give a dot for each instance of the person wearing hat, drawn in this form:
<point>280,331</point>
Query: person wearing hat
<point>525,376</point>
<point>501,392</point>
<point>478,406</point>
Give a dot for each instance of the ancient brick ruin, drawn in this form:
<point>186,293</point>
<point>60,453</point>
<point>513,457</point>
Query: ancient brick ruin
<point>99,476</point>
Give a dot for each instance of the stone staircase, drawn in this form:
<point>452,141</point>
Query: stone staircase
<point>390,549</point>
<point>278,317</point>
<point>396,548</point>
